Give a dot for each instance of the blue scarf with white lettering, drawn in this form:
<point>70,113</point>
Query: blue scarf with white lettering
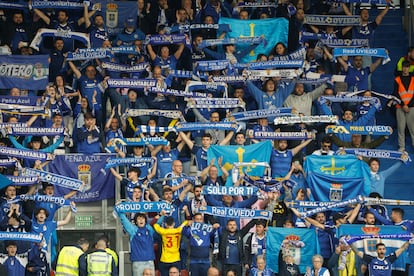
<point>142,207</point>
<point>91,53</point>
<point>187,27</point>
<point>115,162</point>
<point>332,20</point>
<point>264,183</point>
<point>36,131</point>
<point>212,65</point>
<point>183,74</point>
<point>42,33</point>
<point>261,113</point>
<point>198,85</point>
<point>141,141</point>
<point>23,180</point>
<point>377,153</point>
<point>7,162</point>
<point>298,54</point>
<point>351,239</point>
<point>166,39</point>
<point>229,190</point>
<point>131,83</point>
<point>60,201</point>
<point>306,119</point>
<point>215,103</point>
<point>25,154</point>
<point>116,67</point>
<point>271,135</point>
<point>229,79</point>
<point>178,93</point>
<point>363,130</point>
<point>56,179</point>
<point>203,126</point>
<point>235,212</point>
<point>326,206</point>
<point>64,5</point>
<point>236,41</point>
<point>173,114</point>
<point>20,236</point>
<point>339,42</point>
<point>370,52</point>
<point>152,129</point>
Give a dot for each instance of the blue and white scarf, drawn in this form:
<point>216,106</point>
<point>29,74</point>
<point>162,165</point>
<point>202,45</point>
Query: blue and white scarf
<point>370,52</point>
<point>60,201</point>
<point>142,207</point>
<point>230,190</point>
<point>203,126</point>
<point>257,114</point>
<point>8,162</point>
<point>339,42</point>
<point>173,114</point>
<point>153,129</point>
<point>91,53</point>
<point>363,130</point>
<point>131,83</point>
<point>271,135</point>
<point>116,67</point>
<point>236,41</point>
<point>215,103</point>
<point>175,92</point>
<point>298,54</point>
<point>306,119</point>
<point>23,180</point>
<point>332,20</point>
<point>56,179</point>
<point>37,131</point>
<point>20,236</point>
<point>41,33</point>
<point>25,154</point>
<point>65,5</point>
<point>284,73</point>
<point>272,64</point>
<point>377,153</point>
<point>330,206</point>
<point>183,74</point>
<point>115,162</point>
<point>229,79</point>
<point>166,39</point>
<point>141,141</point>
<point>235,212</point>
<point>212,65</point>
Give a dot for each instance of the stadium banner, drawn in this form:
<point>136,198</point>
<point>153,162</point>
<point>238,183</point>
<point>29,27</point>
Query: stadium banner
<point>99,183</point>
<point>336,178</point>
<point>259,152</point>
<point>25,72</point>
<point>302,244</point>
<point>332,20</point>
<point>274,30</point>
<point>368,245</point>
<point>20,100</point>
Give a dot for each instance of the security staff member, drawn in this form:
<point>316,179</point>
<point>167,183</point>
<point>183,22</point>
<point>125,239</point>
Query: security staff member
<point>68,259</point>
<point>98,262</point>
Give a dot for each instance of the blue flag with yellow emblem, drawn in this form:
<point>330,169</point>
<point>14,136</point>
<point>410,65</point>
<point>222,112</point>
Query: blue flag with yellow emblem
<point>259,152</point>
<point>274,30</point>
<point>301,244</point>
<point>336,178</point>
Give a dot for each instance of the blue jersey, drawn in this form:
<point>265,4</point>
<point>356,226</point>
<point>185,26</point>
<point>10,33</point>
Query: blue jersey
<point>365,31</point>
<point>164,161</point>
<point>129,187</point>
<point>46,229</point>
<point>88,87</point>
<point>357,79</point>
<point>199,242</point>
<point>174,182</point>
<point>98,36</point>
<point>167,64</point>
<point>378,267</point>
<point>14,265</point>
<point>280,162</point>
<point>200,157</point>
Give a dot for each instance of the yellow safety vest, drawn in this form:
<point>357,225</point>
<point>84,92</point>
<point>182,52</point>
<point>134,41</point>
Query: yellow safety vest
<point>99,263</point>
<point>67,263</point>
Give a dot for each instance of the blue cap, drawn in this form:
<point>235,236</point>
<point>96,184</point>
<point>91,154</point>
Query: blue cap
<point>130,22</point>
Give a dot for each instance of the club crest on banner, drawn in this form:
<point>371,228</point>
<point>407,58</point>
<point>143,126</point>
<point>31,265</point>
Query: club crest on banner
<point>370,244</point>
<point>292,245</point>
<point>85,175</point>
<point>111,15</point>
<point>338,129</point>
<point>335,192</point>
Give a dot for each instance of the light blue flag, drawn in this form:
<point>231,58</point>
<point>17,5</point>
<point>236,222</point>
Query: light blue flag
<point>368,245</point>
<point>274,30</point>
<point>336,178</point>
<point>259,152</point>
<point>301,243</point>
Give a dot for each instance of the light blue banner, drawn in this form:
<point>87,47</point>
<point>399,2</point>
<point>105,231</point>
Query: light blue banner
<point>301,243</point>
<point>274,30</point>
